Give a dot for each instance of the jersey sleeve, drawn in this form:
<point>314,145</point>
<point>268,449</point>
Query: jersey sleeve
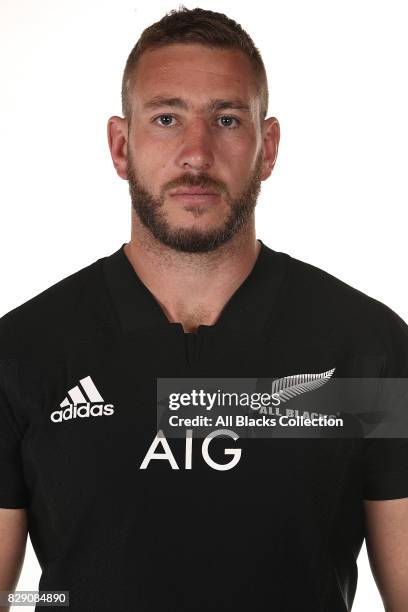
<point>385,460</point>
<point>13,492</point>
<point>385,468</point>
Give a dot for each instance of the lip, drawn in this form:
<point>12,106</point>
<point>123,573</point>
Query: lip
<point>198,199</point>
<point>192,191</point>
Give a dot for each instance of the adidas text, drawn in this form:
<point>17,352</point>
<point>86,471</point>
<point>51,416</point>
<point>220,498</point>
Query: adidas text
<point>73,411</point>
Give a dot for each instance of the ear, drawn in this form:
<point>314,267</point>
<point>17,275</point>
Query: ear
<point>118,143</point>
<point>270,143</point>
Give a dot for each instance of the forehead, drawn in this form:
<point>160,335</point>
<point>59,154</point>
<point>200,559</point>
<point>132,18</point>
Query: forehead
<point>193,71</point>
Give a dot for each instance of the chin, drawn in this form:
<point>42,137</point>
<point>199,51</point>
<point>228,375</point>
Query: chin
<point>199,231</point>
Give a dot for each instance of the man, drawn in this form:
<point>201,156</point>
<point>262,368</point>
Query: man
<point>123,517</point>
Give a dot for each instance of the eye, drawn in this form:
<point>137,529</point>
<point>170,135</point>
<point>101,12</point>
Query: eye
<point>168,121</point>
<point>228,119</point>
<point>165,119</point>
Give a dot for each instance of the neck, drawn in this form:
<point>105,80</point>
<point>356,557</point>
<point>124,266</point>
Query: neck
<point>192,288</point>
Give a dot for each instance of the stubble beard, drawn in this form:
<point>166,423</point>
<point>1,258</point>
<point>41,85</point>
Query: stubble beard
<point>149,210</point>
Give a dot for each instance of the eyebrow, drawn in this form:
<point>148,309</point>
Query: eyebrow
<point>214,104</point>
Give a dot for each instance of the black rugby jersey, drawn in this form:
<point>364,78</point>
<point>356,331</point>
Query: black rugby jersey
<point>121,530</point>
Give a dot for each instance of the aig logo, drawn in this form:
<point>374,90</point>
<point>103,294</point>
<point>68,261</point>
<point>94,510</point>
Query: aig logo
<point>167,455</point>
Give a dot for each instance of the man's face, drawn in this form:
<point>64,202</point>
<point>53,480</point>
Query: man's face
<point>194,145</point>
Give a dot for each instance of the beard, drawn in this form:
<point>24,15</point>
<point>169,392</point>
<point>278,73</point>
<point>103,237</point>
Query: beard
<point>149,210</point>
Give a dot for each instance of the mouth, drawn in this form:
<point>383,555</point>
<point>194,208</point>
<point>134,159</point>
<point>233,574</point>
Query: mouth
<point>194,195</point>
<point>193,191</point>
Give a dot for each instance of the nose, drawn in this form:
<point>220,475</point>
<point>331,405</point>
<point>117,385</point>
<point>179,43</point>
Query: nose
<point>196,147</point>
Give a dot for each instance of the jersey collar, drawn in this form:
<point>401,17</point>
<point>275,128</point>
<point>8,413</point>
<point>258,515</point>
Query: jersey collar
<point>248,309</point>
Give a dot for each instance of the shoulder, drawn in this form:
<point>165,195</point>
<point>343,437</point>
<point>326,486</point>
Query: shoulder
<point>332,292</point>
<point>332,306</point>
<point>52,315</point>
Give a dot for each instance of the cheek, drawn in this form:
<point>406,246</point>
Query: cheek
<point>237,161</point>
<point>237,150</point>
<point>149,160</point>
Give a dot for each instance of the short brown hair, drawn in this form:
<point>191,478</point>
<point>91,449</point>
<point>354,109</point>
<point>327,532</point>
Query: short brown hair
<point>201,26</point>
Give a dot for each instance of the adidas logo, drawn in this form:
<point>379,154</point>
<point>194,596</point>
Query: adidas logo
<point>88,395</point>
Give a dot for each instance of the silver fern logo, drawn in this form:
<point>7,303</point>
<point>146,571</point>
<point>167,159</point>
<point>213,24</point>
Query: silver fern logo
<point>290,386</point>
